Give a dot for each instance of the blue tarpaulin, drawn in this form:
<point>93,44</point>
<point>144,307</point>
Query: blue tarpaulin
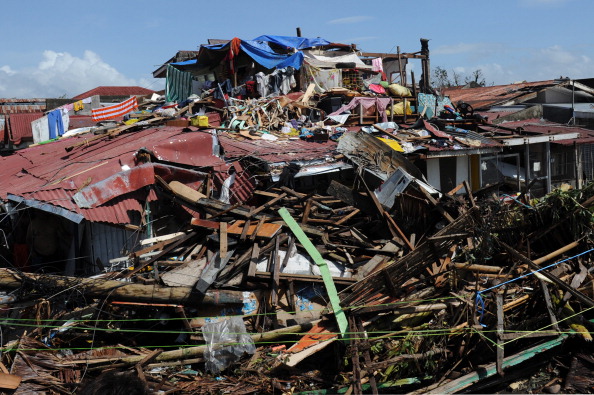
<point>259,51</point>
<point>271,59</point>
<point>293,42</point>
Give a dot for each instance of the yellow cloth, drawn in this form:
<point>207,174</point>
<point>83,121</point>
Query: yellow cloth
<point>393,144</point>
<point>78,105</point>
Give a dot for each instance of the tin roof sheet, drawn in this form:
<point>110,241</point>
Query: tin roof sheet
<point>276,151</point>
<point>51,174</point>
<point>20,126</point>
<point>115,91</point>
<point>487,96</point>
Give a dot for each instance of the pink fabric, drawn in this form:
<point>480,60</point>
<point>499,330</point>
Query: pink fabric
<point>377,64</point>
<point>380,103</point>
<point>377,89</point>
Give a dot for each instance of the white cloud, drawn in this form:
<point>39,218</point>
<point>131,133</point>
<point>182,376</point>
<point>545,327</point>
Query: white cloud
<point>60,74</point>
<point>557,61</point>
<point>350,19</point>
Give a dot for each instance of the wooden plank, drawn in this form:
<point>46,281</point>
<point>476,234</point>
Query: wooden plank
<point>157,257</point>
<point>264,230</point>
<point>304,278</point>
<point>456,189</point>
<point>257,229</point>
<point>266,205</point>
<point>469,193</point>
<point>244,232</point>
<point>500,349</point>
<point>275,274</point>
<point>204,223</point>
<point>223,240</point>
<point>254,260</point>
<point>9,381</point>
<point>185,275</point>
<point>308,93</point>
<point>185,192</point>
<point>347,217</point>
<point>306,212</point>
<point>170,237</point>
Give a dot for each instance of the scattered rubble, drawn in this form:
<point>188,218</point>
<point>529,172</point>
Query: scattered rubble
<point>266,245</point>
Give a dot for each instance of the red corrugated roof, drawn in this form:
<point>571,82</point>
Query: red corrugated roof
<point>20,126</point>
<point>488,96</point>
<point>276,151</point>
<point>536,126</point>
<point>21,106</point>
<point>115,91</point>
<point>50,174</point>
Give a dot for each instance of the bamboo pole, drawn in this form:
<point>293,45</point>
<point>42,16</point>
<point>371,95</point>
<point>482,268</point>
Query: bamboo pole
<point>193,352</point>
<point>120,290</point>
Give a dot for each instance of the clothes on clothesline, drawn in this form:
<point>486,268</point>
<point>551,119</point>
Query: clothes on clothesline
<point>380,104</point>
<point>55,124</point>
<point>279,82</point>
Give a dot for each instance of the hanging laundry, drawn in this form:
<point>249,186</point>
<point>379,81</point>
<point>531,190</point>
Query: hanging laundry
<point>116,110</point>
<point>78,105</point>
<point>377,64</point>
<point>262,84</point>
<point>178,84</point>
<point>324,79</point>
<point>55,125</point>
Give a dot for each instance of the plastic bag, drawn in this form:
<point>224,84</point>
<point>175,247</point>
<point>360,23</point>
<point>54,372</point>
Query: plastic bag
<point>226,341</point>
<point>398,109</point>
<point>399,90</point>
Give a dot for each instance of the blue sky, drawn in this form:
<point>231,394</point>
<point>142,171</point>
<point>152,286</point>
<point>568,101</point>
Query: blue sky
<point>63,48</point>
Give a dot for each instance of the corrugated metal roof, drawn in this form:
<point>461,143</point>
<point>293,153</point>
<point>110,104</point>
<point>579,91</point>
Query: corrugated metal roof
<point>115,91</point>
<point>488,96</point>
<point>276,151</point>
<point>21,106</point>
<point>49,173</point>
<point>20,126</point>
<point>243,186</point>
<point>535,126</point>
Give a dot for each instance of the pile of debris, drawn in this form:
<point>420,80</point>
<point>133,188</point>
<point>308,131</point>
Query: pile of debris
<point>308,242</point>
<point>305,292</point>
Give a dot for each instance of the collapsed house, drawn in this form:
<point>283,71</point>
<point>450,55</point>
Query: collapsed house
<point>348,232</point>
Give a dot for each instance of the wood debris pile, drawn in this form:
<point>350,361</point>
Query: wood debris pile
<point>326,291</point>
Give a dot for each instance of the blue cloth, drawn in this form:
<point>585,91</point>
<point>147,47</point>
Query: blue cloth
<point>54,120</point>
<point>259,51</point>
<point>271,59</point>
<point>293,42</point>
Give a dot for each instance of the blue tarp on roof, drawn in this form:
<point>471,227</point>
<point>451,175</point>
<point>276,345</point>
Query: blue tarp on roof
<point>269,58</point>
<point>293,42</point>
<point>259,51</point>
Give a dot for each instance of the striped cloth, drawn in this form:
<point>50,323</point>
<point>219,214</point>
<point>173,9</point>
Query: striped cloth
<point>117,110</point>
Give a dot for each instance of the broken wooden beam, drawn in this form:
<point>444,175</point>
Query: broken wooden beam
<point>119,290</point>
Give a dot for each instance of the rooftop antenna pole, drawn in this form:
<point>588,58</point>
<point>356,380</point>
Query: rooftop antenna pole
<point>298,32</point>
<point>572,102</point>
